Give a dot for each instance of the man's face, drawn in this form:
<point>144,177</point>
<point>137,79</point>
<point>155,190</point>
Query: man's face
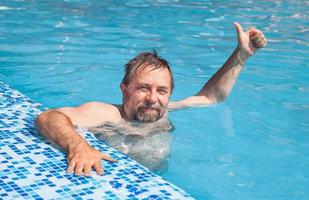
<point>147,95</point>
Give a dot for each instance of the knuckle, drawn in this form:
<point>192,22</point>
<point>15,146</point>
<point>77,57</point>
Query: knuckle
<point>71,165</point>
<point>70,156</point>
<point>71,159</point>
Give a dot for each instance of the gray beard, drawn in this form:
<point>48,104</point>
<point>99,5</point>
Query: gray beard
<point>142,116</point>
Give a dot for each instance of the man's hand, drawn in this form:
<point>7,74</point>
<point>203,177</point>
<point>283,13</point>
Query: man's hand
<point>82,158</point>
<point>250,41</point>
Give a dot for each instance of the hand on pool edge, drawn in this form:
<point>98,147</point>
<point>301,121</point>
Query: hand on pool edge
<point>250,41</point>
<point>83,157</point>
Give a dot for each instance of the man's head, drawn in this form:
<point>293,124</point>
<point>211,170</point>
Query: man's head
<point>146,87</point>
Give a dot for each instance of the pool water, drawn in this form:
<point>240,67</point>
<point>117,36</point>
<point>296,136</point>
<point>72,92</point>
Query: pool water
<point>255,145</point>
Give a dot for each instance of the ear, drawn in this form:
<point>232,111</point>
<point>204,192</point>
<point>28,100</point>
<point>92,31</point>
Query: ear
<point>123,88</point>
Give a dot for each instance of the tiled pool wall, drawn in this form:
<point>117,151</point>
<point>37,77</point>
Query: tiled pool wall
<point>32,168</point>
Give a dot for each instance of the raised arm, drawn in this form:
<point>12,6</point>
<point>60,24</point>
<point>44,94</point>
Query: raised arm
<point>58,127</point>
<point>219,86</point>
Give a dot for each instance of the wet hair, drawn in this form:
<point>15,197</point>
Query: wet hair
<point>142,61</point>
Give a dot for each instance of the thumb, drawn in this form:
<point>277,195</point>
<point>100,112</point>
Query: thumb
<point>238,28</point>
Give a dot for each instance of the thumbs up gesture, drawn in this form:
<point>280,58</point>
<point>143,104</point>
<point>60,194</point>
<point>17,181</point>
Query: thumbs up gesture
<point>250,41</point>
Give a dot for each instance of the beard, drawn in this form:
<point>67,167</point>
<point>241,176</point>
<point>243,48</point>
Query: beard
<point>145,112</point>
<point>148,113</point>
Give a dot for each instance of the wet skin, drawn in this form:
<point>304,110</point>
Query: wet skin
<point>147,96</point>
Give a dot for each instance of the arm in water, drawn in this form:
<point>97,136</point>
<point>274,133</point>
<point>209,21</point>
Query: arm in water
<point>221,83</point>
<point>57,126</point>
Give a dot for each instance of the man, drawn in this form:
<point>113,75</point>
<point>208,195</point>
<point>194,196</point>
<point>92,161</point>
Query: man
<point>146,89</point>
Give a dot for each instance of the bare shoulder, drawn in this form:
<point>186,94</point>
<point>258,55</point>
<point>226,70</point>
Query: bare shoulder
<point>95,106</point>
<point>92,113</point>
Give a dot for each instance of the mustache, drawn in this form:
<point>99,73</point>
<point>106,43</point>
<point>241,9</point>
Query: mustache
<point>158,108</point>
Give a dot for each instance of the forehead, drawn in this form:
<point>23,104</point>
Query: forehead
<point>150,75</point>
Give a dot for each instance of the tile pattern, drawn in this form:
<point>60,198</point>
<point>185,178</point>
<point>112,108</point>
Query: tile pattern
<point>31,168</point>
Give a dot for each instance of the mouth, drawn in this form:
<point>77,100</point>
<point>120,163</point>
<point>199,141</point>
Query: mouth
<point>149,109</point>
<point>148,113</point>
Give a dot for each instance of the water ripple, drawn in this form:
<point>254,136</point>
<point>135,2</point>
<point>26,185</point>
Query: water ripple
<point>64,52</point>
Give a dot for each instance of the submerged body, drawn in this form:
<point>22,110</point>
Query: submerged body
<point>147,143</point>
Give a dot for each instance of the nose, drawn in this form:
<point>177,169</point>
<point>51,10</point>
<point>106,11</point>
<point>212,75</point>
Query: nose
<point>152,98</point>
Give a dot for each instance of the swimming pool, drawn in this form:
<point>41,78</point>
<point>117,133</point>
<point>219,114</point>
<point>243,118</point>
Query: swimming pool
<point>252,146</point>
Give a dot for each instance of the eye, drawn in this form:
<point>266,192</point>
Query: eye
<point>143,88</point>
<point>162,92</point>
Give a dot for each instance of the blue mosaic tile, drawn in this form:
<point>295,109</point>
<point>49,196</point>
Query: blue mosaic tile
<point>31,168</point>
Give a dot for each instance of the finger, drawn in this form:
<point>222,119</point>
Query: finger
<point>265,43</point>
<point>252,32</point>
<point>252,28</point>
<point>71,167</point>
<point>106,157</point>
<point>260,43</point>
<point>256,36</point>
<point>238,28</point>
<point>257,39</point>
<point>79,169</point>
<point>98,168</point>
<point>87,169</point>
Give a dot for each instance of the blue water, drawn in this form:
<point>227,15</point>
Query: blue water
<point>255,145</point>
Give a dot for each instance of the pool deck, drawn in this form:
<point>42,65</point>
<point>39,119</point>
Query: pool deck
<point>32,168</point>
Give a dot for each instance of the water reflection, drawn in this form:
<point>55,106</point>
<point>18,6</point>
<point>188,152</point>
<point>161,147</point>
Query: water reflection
<point>147,143</point>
